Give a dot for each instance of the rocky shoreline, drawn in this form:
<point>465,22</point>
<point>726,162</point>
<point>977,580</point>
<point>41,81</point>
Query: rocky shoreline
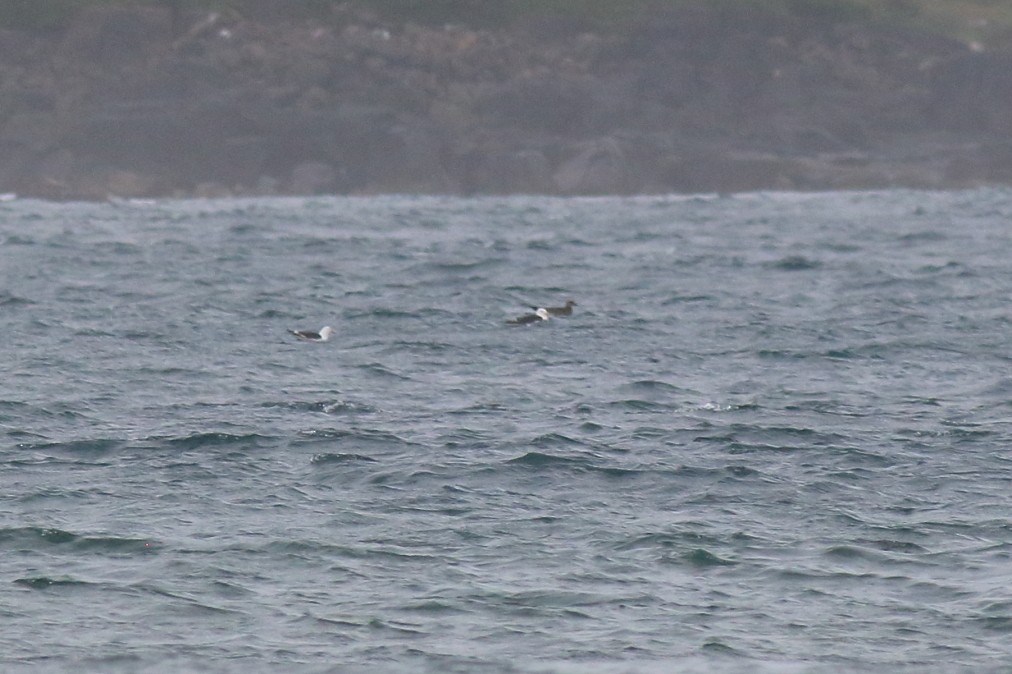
<point>138,102</point>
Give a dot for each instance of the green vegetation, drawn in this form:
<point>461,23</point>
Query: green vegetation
<point>980,20</point>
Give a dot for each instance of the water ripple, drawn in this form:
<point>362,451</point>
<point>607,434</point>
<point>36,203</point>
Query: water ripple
<point>771,437</point>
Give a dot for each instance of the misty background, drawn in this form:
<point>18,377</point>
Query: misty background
<point>138,98</point>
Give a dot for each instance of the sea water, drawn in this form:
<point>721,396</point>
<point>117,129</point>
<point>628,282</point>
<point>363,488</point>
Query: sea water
<point>775,435</point>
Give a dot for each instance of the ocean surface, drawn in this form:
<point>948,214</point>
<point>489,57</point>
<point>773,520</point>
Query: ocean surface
<point>775,435</point>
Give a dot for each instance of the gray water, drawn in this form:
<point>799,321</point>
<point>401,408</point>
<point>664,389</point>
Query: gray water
<point>774,436</point>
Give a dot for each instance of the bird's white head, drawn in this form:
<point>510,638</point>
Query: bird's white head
<point>542,314</point>
<point>326,332</point>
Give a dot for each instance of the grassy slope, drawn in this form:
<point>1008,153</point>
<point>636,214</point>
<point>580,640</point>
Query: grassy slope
<point>985,21</point>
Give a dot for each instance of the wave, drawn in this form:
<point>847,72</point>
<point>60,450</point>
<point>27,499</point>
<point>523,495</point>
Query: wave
<point>385,313</point>
<point>416,346</point>
<point>8,299</point>
<point>466,437</point>
<point>354,439</point>
<point>744,438</point>
<point>17,240</point>
<point>545,462</point>
<point>700,558</point>
<point>690,537</point>
<point>337,458</point>
<point>541,460</point>
<point>37,538</point>
<point>382,371</point>
<point>795,263</point>
<point>652,386</point>
<point>91,446</point>
<point>47,583</point>
<point>645,400</point>
<point>332,407</point>
<point>555,440</point>
<point>214,439</point>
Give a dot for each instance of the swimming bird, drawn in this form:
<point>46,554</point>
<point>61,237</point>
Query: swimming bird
<point>566,310</point>
<point>527,319</point>
<point>310,336</point>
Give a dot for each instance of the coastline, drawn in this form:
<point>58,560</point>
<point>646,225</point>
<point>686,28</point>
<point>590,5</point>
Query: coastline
<point>133,101</point>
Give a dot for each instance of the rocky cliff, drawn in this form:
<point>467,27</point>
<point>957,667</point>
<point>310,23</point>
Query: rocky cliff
<point>142,101</point>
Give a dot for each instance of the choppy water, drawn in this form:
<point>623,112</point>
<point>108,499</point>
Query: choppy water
<point>774,436</point>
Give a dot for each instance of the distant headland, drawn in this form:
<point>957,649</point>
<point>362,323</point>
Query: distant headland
<point>261,97</point>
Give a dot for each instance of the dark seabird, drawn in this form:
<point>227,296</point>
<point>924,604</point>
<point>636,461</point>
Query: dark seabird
<point>566,310</point>
<point>527,319</point>
<point>310,336</point>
